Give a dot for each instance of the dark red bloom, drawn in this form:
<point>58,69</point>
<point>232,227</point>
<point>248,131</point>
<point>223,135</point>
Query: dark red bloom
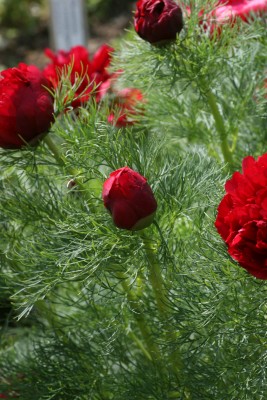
<point>250,7</point>
<point>100,63</point>
<point>129,199</point>
<point>242,216</point>
<point>125,103</point>
<point>228,11</point>
<point>158,20</point>
<point>26,106</point>
<point>91,73</point>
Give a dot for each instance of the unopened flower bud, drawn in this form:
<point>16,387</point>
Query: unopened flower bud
<point>158,20</point>
<point>129,199</point>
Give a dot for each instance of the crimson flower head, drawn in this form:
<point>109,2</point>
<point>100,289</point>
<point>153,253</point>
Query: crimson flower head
<point>26,106</point>
<point>158,20</point>
<point>228,11</point>
<point>90,72</point>
<point>129,199</point>
<point>125,104</point>
<point>242,216</point>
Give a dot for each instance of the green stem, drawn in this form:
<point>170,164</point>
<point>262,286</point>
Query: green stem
<point>54,149</point>
<point>89,191</point>
<point>219,123</point>
<point>139,343</point>
<point>160,293</point>
<point>155,276</point>
<point>61,159</point>
<point>152,352</point>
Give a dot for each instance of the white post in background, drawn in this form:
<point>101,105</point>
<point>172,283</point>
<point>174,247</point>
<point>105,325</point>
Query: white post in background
<point>69,25</point>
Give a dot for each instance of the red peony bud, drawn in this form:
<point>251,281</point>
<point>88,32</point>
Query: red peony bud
<point>26,106</point>
<point>158,20</point>
<point>129,199</point>
<point>242,216</point>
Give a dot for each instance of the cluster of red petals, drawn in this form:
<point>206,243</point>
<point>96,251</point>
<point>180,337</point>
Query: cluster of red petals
<point>125,107</point>
<point>129,199</point>
<point>26,106</point>
<point>94,76</point>
<point>158,20</point>
<point>228,11</point>
<point>92,73</point>
<point>242,216</point>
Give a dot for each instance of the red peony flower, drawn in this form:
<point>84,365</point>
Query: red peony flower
<point>129,199</point>
<point>227,12</point>
<point>242,216</point>
<point>91,72</point>
<point>125,104</point>
<point>250,7</point>
<point>158,20</point>
<point>100,63</point>
<point>26,106</point>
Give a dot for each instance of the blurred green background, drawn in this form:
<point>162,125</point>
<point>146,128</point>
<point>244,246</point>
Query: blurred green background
<point>24,26</point>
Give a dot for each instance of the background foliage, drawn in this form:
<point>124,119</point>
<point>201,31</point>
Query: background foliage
<point>24,27</point>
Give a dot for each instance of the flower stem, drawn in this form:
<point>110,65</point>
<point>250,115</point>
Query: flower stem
<point>89,191</point>
<point>140,345</point>
<point>54,149</point>
<point>155,275</point>
<point>160,293</point>
<point>152,352</point>
<point>219,123</point>
<point>60,158</point>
